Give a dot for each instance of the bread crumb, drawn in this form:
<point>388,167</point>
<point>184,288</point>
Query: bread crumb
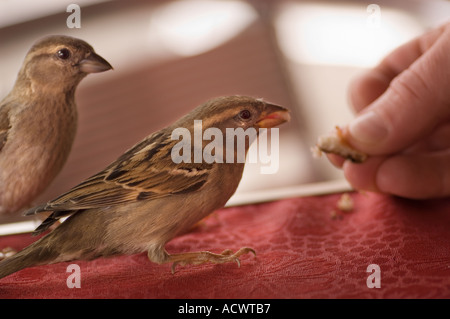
<point>316,152</point>
<point>335,215</point>
<point>335,143</point>
<point>345,203</point>
<point>7,252</point>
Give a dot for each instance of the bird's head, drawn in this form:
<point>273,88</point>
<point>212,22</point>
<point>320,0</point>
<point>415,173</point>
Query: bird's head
<point>61,61</point>
<point>237,112</point>
<point>232,118</point>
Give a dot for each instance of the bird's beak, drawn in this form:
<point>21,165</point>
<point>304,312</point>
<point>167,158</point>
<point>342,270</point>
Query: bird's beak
<point>94,64</point>
<point>273,115</point>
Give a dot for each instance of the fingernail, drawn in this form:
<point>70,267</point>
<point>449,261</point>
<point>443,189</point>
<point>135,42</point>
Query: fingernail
<point>368,128</point>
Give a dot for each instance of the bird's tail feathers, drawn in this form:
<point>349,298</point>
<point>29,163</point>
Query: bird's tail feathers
<point>34,210</point>
<point>50,220</point>
<point>12,264</point>
<point>46,224</point>
<point>33,255</point>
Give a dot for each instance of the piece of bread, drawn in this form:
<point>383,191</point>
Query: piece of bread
<point>335,143</point>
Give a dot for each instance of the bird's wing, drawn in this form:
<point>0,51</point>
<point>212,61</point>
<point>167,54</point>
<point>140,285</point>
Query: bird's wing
<point>144,172</point>
<point>5,125</point>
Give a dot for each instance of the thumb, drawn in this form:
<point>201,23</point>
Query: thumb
<point>414,103</point>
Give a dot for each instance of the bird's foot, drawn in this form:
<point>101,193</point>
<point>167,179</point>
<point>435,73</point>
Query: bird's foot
<point>7,252</point>
<point>196,258</point>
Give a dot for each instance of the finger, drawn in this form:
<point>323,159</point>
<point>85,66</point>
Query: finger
<point>362,176</point>
<point>438,140</point>
<point>366,88</point>
<point>336,160</point>
<point>415,101</point>
<point>411,176</point>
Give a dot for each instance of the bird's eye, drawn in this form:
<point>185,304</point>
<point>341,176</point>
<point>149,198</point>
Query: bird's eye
<point>63,54</point>
<point>245,115</point>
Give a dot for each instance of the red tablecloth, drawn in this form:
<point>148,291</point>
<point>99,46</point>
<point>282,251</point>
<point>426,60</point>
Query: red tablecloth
<point>306,248</point>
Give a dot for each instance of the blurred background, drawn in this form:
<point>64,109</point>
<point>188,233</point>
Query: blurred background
<point>170,56</point>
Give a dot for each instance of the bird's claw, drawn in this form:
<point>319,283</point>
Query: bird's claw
<point>205,256</point>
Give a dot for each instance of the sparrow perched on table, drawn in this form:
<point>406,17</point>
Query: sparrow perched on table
<point>144,199</point>
<point>38,118</point>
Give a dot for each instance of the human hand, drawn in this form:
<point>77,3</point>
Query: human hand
<point>403,121</point>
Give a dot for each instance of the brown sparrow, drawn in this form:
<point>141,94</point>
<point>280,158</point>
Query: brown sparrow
<point>144,199</point>
<point>38,118</point>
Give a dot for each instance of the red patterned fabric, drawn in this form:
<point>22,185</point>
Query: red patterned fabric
<point>306,248</point>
